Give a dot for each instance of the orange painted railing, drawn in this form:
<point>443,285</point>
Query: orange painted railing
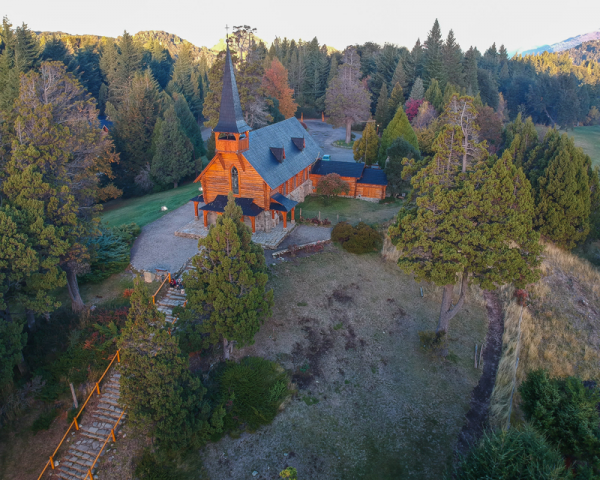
<point>168,277</point>
<point>108,437</point>
<point>50,463</point>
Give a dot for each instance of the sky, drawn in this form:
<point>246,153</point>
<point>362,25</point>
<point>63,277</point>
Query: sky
<point>518,24</point>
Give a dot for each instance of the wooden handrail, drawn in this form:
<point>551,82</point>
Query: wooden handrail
<point>111,434</point>
<point>168,277</point>
<point>50,463</point>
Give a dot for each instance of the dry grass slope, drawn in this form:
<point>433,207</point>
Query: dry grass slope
<point>560,329</point>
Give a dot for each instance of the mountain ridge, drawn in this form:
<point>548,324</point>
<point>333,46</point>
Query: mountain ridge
<point>563,45</point>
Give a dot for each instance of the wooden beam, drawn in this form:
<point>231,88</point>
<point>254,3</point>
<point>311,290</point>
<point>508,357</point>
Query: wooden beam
<point>196,210</point>
<point>293,213</point>
<point>284,219</point>
<point>242,219</point>
<point>221,160</point>
<point>241,160</point>
<point>205,213</point>
<point>272,214</point>
<point>253,220</point>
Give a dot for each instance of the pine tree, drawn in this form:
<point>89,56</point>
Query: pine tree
<point>452,58</point>
<point>120,64</point>
<point>189,126</point>
<point>470,69</point>
<point>161,63</point>
<point>173,159</point>
<point>133,127</point>
<point>381,112</point>
<point>413,65</point>
<point>399,127</point>
<point>479,227</point>
<point>386,65</point>
<point>521,137</point>
<point>434,95</point>
<point>396,100</point>
<point>227,291</point>
<point>161,394</point>
<point>87,64</point>
<point>400,74</point>
<point>212,101</point>
<point>559,173</point>
<point>367,147</point>
<point>418,90</point>
<point>434,66</point>
<point>56,50</point>
<point>462,113</point>
<point>185,81</point>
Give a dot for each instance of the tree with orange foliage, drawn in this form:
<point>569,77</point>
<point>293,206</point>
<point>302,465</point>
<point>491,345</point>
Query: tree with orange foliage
<point>275,82</point>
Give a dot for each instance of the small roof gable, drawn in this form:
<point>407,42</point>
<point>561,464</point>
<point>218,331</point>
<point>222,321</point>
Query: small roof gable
<point>299,142</point>
<point>231,119</point>
<point>373,176</point>
<point>343,169</point>
<point>249,208</point>
<point>287,203</point>
<point>262,160</point>
<point>278,153</point>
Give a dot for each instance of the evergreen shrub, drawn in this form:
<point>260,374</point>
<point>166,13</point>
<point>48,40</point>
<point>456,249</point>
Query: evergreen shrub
<point>360,239</point>
<point>110,252</point>
<point>565,411</point>
<point>251,392</point>
<point>44,420</point>
<point>512,455</point>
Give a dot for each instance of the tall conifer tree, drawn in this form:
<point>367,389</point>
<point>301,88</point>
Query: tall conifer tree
<point>381,112</point>
<point>434,66</point>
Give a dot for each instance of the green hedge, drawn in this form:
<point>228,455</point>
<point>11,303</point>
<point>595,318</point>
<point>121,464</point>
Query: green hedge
<point>360,239</point>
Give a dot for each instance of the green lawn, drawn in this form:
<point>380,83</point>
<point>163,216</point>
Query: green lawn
<point>347,209</point>
<point>146,209</point>
<point>588,138</point>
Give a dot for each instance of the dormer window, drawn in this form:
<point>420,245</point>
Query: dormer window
<point>235,183</point>
<point>278,153</point>
<point>300,143</point>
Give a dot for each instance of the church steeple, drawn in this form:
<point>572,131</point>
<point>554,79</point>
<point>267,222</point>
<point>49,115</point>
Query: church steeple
<point>231,118</point>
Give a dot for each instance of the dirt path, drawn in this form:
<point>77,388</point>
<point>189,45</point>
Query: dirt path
<point>480,397</point>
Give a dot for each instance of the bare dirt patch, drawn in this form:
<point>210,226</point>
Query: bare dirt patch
<point>370,403</point>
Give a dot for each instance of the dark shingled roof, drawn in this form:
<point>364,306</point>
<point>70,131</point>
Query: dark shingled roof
<point>231,119</point>
<point>278,153</point>
<point>287,203</point>
<point>343,169</point>
<point>104,122</point>
<point>299,142</point>
<point>260,157</point>
<point>198,198</point>
<point>249,208</point>
<point>373,176</point>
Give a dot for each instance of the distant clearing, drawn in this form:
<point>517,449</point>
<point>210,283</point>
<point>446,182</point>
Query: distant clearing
<point>588,138</point>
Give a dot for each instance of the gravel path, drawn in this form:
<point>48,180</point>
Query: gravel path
<point>158,247</point>
<point>324,134</point>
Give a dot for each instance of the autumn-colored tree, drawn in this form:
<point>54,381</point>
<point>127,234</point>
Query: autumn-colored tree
<point>366,147</point>
<point>411,107</point>
<point>347,100</point>
<point>332,185</point>
<point>425,116</point>
<point>276,84</point>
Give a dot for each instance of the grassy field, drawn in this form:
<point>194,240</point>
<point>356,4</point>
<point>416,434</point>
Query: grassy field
<point>560,328</point>
<point>348,209</point>
<point>146,209</point>
<point>588,138</point>
<point>371,403</point>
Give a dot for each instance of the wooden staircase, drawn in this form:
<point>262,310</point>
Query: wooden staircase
<point>173,298</point>
<point>94,428</point>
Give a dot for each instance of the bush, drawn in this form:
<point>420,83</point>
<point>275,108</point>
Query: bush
<point>432,340</point>
<point>359,239</point>
<point>565,411</point>
<point>110,252</point>
<point>251,392</point>
<point>512,455</point>
<point>44,420</point>
<point>290,473</point>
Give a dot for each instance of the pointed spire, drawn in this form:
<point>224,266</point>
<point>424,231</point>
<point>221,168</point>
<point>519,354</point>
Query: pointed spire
<point>231,118</point>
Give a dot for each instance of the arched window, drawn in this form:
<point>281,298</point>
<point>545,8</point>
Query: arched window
<point>235,184</point>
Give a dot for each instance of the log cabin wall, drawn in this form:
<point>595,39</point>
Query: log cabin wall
<point>216,179</point>
<point>370,191</point>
